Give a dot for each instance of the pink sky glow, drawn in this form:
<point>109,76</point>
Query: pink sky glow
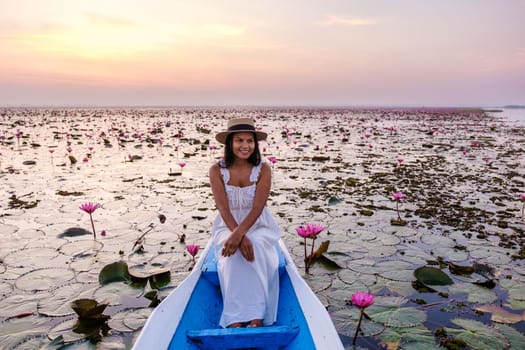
<point>237,52</point>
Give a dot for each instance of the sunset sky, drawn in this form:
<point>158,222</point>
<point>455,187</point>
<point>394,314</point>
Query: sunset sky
<point>272,52</point>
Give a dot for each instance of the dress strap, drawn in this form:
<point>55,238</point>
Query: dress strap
<point>225,175</point>
<point>255,173</point>
<point>224,171</point>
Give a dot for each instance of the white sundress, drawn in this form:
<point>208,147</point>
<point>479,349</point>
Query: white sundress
<point>250,290</point>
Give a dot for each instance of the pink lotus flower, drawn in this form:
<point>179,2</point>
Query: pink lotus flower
<point>309,231</point>
<point>182,165</point>
<point>193,249</point>
<point>361,300</point>
<point>90,209</point>
<point>397,196</point>
<point>301,231</point>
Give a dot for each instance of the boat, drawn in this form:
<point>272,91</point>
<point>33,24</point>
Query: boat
<point>188,318</point>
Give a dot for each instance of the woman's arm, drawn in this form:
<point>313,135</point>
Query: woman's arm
<point>237,239</point>
<point>221,199</point>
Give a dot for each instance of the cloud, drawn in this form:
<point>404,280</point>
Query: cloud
<point>331,21</point>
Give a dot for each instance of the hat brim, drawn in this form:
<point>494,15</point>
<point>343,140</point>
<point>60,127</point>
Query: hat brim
<point>221,137</point>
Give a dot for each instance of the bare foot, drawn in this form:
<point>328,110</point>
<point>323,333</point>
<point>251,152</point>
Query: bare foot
<point>235,325</point>
<point>255,323</point>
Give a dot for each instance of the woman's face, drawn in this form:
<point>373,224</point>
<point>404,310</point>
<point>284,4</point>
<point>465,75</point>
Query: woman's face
<point>243,145</point>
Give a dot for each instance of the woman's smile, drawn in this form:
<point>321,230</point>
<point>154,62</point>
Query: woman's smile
<point>243,144</point>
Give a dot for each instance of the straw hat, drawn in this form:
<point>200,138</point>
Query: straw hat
<point>240,125</point>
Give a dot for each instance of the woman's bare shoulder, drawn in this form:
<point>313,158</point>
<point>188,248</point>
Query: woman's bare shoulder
<point>265,167</point>
<point>215,169</point>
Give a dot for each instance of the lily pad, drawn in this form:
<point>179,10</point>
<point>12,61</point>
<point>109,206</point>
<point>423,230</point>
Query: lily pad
<point>437,240</point>
<point>432,276</point>
<point>44,279</point>
<point>398,275</point>
<point>81,248</point>
<point>517,292</point>
<point>389,311</point>
<point>346,320</point>
<point>477,335</point>
<point>475,294</point>
<point>65,330</point>
<point>36,258</point>
<point>113,293</point>
<point>58,303</point>
<point>417,337</point>
<point>490,254</point>
<point>129,320</point>
<point>117,271</point>
<point>500,315</point>
<point>516,338</point>
<point>318,282</point>
<point>19,330</point>
<point>450,254</point>
<point>40,342</point>
<point>5,288</point>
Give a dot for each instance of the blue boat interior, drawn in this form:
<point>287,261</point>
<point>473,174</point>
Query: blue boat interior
<point>199,327</point>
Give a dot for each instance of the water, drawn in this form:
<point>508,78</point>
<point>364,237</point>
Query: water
<point>514,116</point>
<point>460,173</point>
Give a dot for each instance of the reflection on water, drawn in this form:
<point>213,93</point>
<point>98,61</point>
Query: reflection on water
<point>514,116</point>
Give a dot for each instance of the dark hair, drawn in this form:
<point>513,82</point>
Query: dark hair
<point>229,158</point>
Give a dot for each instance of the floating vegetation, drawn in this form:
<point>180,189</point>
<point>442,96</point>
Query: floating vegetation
<point>432,276</point>
<point>461,219</point>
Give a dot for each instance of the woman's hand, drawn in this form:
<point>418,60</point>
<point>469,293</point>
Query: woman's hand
<point>246,248</point>
<point>232,244</point>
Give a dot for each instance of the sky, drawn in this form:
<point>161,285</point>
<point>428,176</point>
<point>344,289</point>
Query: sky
<point>262,53</point>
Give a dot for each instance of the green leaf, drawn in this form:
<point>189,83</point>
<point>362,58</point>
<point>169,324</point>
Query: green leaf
<point>88,308</point>
<point>515,338</point>
<point>160,279</point>
<point>478,335</point>
<point>395,316</point>
<point>432,276</point>
<point>345,321</point>
<point>411,338</point>
<point>475,294</point>
<point>117,271</point>
<point>334,201</point>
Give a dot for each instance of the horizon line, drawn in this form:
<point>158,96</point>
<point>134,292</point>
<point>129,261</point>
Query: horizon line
<point>262,106</point>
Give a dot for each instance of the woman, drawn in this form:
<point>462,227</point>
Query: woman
<point>245,229</point>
